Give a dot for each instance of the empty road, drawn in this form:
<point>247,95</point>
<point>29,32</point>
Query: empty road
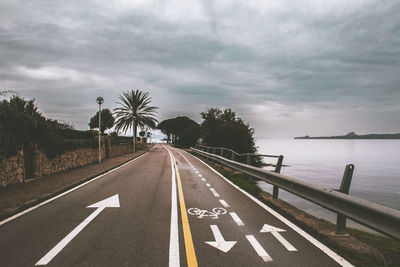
<point>165,208</point>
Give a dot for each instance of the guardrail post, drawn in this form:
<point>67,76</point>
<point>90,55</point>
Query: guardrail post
<point>248,160</point>
<point>213,150</point>
<point>344,188</point>
<point>222,152</point>
<point>233,155</point>
<point>275,190</point>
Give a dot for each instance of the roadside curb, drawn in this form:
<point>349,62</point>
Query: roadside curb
<point>34,202</point>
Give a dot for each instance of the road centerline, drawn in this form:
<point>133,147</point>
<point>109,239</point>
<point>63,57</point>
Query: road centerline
<point>189,247</point>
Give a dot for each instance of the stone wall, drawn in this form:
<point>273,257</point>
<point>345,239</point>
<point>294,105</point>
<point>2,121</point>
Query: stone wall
<point>12,169</point>
<point>120,149</point>
<point>69,160</point>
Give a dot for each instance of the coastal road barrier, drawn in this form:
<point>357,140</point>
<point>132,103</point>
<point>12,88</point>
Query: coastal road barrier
<point>377,217</point>
<point>224,152</point>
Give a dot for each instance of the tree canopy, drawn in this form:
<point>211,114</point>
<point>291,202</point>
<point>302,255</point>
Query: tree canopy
<point>184,131</point>
<point>134,111</point>
<point>221,128</point>
<point>107,120</point>
<point>21,124</point>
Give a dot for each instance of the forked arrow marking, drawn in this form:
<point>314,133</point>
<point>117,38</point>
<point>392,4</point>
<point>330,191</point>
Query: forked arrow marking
<point>220,242</point>
<point>111,202</point>
<point>275,232</point>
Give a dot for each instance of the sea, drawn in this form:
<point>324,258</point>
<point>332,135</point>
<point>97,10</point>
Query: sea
<point>376,176</point>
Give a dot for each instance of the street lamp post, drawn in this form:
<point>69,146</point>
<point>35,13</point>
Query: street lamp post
<point>134,136</point>
<point>99,101</point>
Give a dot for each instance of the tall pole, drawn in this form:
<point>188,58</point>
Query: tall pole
<point>134,135</point>
<point>99,101</point>
<point>99,133</point>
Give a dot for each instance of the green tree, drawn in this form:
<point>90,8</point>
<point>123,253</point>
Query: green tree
<point>107,120</point>
<point>135,111</point>
<point>221,128</point>
<point>185,132</point>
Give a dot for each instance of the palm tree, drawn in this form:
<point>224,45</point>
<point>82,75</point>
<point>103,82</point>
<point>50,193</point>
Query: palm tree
<point>135,111</point>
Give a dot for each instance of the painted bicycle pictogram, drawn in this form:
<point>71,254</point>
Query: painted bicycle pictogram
<point>205,213</point>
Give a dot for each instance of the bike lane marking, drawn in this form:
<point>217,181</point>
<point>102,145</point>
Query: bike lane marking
<point>258,248</point>
<point>187,234</point>
<point>330,253</point>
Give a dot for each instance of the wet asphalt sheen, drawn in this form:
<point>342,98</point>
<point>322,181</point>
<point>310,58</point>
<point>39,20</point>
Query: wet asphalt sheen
<point>138,232</point>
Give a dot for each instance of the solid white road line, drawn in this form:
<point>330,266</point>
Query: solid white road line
<point>214,192</point>
<point>66,192</point>
<point>258,248</point>
<point>223,202</point>
<point>173,237</point>
<point>236,218</point>
<point>340,260</point>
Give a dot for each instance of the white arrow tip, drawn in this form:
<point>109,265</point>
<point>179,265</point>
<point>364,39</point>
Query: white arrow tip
<point>224,246</point>
<point>269,228</point>
<point>111,202</point>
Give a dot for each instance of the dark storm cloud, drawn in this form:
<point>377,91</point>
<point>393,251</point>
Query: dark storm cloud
<point>288,67</point>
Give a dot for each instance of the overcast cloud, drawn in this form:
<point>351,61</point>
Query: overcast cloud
<point>289,68</point>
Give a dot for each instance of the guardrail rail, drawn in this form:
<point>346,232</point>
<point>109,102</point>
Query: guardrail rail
<point>377,217</point>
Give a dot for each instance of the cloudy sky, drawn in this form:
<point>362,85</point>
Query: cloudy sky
<point>289,68</point>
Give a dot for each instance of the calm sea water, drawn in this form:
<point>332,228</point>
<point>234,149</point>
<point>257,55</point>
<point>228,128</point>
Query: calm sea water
<point>376,175</point>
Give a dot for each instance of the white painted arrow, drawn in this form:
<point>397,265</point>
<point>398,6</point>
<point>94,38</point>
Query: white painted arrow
<point>275,232</point>
<point>220,242</point>
<point>111,202</point>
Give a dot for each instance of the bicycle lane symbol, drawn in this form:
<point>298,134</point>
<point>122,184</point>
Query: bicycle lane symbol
<point>214,213</point>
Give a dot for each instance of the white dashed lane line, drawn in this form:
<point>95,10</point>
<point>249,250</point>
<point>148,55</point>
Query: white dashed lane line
<point>204,180</point>
<point>236,218</point>
<point>223,202</point>
<point>208,185</point>
<point>214,192</point>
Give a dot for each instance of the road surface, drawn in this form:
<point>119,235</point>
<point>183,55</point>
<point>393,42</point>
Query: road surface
<point>165,208</point>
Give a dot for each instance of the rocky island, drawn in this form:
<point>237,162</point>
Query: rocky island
<point>353,135</point>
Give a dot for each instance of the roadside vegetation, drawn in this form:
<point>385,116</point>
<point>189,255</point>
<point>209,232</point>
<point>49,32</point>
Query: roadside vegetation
<point>22,124</point>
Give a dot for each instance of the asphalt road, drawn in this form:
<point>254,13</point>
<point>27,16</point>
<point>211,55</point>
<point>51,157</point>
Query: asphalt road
<point>165,208</point>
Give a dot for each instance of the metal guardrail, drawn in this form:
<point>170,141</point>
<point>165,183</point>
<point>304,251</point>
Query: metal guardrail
<point>234,156</point>
<point>380,218</point>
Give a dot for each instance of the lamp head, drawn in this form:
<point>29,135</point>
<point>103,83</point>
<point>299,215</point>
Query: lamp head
<point>99,100</point>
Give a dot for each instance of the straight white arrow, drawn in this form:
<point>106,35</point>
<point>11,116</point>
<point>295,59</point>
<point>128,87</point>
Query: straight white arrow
<point>111,202</point>
<point>275,232</point>
<point>220,242</point>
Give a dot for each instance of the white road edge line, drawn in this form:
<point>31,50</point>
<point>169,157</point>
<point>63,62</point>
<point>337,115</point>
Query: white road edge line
<point>236,218</point>
<point>173,237</point>
<point>66,192</point>
<point>214,192</point>
<point>340,260</point>
<point>223,202</point>
<point>258,248</point>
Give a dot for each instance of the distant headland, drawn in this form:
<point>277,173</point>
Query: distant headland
<point>353,135</point>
